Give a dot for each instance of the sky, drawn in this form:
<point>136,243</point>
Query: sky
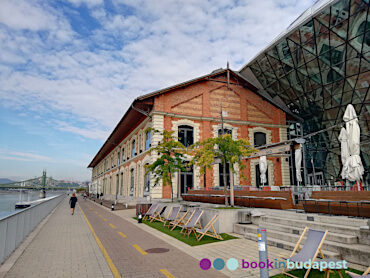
<point>69,69</point>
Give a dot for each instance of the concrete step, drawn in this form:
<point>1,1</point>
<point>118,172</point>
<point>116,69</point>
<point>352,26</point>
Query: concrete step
<point>354,253</point>
<point>291,214</point>
<point>332,236</point>
<point>338,228</point>
<point>289,245</point>
<point>285,232</point>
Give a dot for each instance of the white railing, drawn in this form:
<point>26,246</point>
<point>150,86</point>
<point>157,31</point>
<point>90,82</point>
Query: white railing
<point>16,227</point>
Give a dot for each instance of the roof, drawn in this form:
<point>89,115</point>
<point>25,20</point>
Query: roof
<point>133,117</point>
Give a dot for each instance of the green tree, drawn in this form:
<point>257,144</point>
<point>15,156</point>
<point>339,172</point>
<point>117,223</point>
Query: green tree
<point>170,158</point>
<point>224,148</point>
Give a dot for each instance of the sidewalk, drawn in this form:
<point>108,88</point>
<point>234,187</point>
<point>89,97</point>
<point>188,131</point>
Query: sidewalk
<point>61,246</point>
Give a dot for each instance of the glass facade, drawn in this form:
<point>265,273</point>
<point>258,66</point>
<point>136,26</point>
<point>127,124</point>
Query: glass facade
<point>317,69</point>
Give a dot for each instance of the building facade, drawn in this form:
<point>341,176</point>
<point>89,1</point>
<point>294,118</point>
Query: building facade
<point>193,111</point>
<point>316,67</point>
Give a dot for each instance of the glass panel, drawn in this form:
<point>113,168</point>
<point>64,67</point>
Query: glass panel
<point>324,17</point>
<point>341,29</point>
<point>307,32</point>
<point>259,139</point>
<point>319,27</point>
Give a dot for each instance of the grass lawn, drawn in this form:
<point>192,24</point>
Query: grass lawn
<point>192,241</point>
<point>317,273</point>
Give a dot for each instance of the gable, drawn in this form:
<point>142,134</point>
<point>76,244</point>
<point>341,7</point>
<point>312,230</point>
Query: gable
<point>230,102</point>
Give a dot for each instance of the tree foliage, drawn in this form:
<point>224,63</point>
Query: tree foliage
<point>169,161</point>
<point>222,147</point>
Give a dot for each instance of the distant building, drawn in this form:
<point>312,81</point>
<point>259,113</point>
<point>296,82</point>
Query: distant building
<point>192,110</point>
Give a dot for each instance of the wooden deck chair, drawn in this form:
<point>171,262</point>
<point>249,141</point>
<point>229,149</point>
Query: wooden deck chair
<point>157,215</point>
<point>192,222</point>
<point>366,274</point>
<point>200,233</point>
<point>309,251</point>
<point>172,215</point>
<point>182,220</point>
<point>150,211</point>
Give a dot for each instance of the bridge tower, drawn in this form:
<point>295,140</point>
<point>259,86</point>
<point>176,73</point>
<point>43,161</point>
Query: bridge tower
<point>42,192</point>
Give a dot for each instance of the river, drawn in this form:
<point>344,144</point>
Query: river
<point>8,198</point>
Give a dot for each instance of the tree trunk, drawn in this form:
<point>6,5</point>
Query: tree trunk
<point>171,187</point>
<point>225,182</point>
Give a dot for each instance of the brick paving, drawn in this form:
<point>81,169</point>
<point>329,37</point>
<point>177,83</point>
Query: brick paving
<point>128,260</point>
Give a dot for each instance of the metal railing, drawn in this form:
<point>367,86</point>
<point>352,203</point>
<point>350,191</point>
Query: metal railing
<point>16,227</point>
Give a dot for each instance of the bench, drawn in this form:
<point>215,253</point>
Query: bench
<point>349,203</point>
<point>260,199</point>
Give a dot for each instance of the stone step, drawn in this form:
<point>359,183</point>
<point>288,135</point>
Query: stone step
<point>338,228</point>
<point>354,253</point>
<point>285,232</point>
<point>289,246</point>
<point>291,214</point>
<point>332,236</point>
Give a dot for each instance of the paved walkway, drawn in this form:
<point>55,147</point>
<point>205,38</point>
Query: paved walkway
<point>98,242</point>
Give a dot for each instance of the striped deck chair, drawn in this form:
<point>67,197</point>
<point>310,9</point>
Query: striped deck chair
<point>366,274</point>
<point>192,222</point>
<point>309,251</point>
<point>208,230</point>
<point>150,211</point>
<point>180,221</point>
<point>172,216</point>
<point>157,215</point>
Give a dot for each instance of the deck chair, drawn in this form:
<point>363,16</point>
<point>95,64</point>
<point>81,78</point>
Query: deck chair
<point>366,274</point>
<point>309,251</point>
<point>172,215</point>
<point>157,215</point>
<point>180,221</point>
<point>200,233</point>
<point>150,211</point>
<point>192,222</point>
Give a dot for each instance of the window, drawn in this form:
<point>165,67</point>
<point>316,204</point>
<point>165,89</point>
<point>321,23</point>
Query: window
<point>133,148</point>
<point>121,188</point>
<point>132,182</point>
<point>227,173</point>
<point>147,141</point>
<point>186,135</point>
<point>111,161</point>
<point>118,157</point>
<point>123,154</point>
<point>259,139</point>
<point>147,184</point>
<point>226,131</point>
<point>186,181</point>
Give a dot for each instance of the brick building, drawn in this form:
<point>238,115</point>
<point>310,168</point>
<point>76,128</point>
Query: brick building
<point>192,110</point>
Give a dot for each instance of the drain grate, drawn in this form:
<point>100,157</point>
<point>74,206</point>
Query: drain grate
<point>157,250</point>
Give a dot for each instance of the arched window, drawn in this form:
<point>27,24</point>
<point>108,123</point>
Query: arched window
<point>147,141</point>
<point>226,131</point>
<point>118,157</point>
<point>147,184</point>
<point>187,180</point>
<point>123,155</point>
<point>133,153</point>
<point>186,135</point>
<point>132,185</point>
<point>227,173</point>
<point>259,139</point>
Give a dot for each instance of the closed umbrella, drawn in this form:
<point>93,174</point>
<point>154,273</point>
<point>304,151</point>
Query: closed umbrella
<point>353,168</point>
<point>263,169</point>
<point>298,163</point>
<point>344,152</point>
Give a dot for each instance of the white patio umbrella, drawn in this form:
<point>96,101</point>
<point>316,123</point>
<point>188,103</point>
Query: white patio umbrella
<point>343,138</point>
<point>263,169</point>
<point>298,163</point>
<point>353,169</point>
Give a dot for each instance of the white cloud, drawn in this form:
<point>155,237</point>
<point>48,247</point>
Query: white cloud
<point>22,156</point>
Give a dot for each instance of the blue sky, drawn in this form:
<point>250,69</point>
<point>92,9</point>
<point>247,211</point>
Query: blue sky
<point>70,69</point>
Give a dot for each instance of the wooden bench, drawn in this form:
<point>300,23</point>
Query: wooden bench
<point>260,199</point>
<point>350,203</point>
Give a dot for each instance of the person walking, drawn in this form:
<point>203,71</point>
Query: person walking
<point>73,202</point>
